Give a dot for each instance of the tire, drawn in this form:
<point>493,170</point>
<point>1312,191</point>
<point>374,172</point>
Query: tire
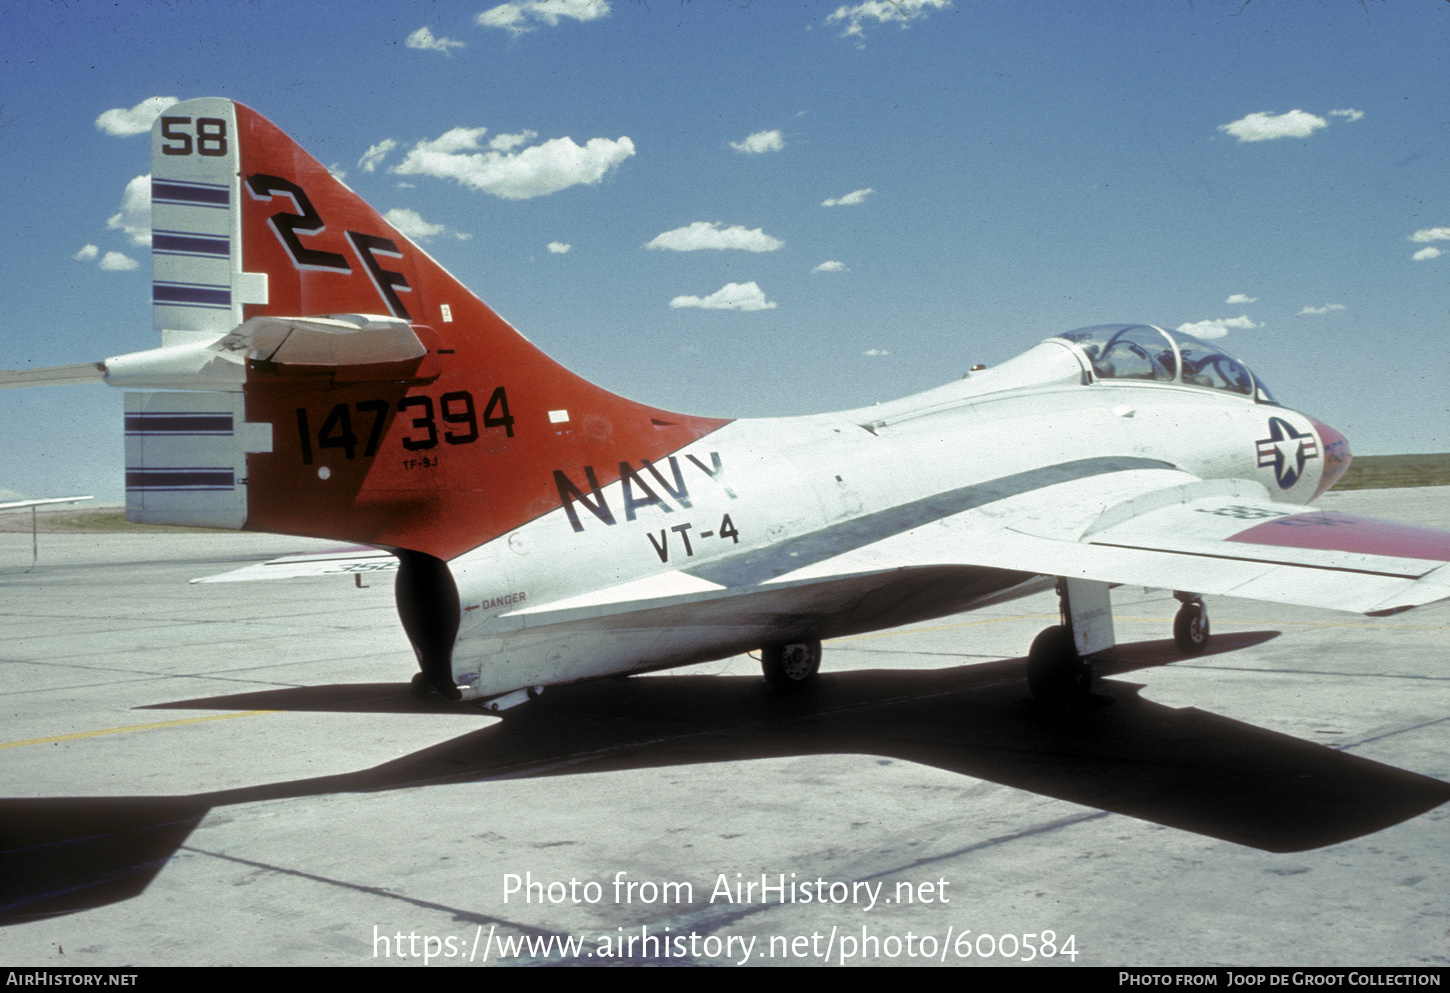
<point>792,665</point>
<point>1190,628</point>
<point>424,688</point>
<point>1056,673</point>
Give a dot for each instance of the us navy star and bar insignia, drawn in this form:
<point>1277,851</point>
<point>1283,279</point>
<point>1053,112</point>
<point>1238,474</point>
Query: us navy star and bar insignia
<point>1286,450</point>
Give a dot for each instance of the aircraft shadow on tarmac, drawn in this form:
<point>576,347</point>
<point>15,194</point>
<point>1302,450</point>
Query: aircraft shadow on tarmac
<point>1182,768</point>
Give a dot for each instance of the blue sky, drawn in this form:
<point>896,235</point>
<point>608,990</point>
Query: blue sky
<point>1279,167</point>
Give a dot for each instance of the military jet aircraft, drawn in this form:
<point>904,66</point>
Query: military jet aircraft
<point>321,375</point>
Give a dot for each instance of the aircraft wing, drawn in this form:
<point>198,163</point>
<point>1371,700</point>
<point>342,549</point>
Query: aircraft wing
<point>1158,528</point>
<point>1221,537</point>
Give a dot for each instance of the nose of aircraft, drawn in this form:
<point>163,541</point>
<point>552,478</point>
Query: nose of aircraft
<point>1335,449</point>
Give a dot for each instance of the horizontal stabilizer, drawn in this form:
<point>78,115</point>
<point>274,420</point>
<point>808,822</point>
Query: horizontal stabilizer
<point>356,345</point>
<point>56,375</point>
<point>354,339</point>
<point>353,560</point>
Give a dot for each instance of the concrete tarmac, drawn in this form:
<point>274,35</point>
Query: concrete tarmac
<point>237,774</point>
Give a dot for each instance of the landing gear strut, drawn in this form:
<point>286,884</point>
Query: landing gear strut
<point>1058,670</point>
<point>791,665</point>
<point>1190,626</point>
<point>427,600</point>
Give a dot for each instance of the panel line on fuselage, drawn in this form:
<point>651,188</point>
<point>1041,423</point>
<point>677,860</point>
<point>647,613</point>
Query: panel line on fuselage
<point>764,564</point>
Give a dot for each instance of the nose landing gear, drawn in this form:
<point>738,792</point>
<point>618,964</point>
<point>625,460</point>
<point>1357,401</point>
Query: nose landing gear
<point>1190,625</point>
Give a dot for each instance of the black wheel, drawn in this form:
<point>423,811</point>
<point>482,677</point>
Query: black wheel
<point>425,688</point>
<point>791,665</point>
<point>1190,628</point>
<point>1056,673</point>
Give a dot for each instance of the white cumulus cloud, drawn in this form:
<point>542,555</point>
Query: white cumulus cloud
<point>87,253</point>
<point>423,39</point>
<point>731,296</point>
<point>411,225</point>
<point>453,142</point>
<point>117,262</point>
<point>375,154</point>
<point>850,199</point>
<point>1265,126</point>
<point>1431,234</point>
<point>135,215</point>
<point>876,351</point>
<point>137,120</point>
<point>521,15</point>
<point>1349,114</point>
<point>901,12</point>
<point>541,169</point>
<point>1241,298</point>
<point>1425,235</point>
<point>703,235</point>
<point>830,266</point>
<point>508,142</point>
<point>1327,308</point>
<point>760,142</point>
<point>1217,328</point>
<point>559,247</point>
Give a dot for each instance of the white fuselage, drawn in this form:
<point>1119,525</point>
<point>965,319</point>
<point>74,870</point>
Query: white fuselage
<point>553,603</point>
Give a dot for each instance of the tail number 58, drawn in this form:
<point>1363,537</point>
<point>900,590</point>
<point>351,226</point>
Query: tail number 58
<point>209,137</point>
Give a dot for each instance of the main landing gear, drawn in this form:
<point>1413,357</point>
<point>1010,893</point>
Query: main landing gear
<point>1056,673</point>
<point>427,600</point>
<point>790,666</point>
<point>1059,670</point>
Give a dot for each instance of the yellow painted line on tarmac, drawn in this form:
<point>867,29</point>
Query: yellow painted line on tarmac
<point>135,727</point>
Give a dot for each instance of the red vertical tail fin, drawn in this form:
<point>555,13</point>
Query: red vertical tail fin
<point>402,411</point>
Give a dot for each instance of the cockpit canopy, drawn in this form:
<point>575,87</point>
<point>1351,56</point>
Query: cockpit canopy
<point>1142,351</point>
